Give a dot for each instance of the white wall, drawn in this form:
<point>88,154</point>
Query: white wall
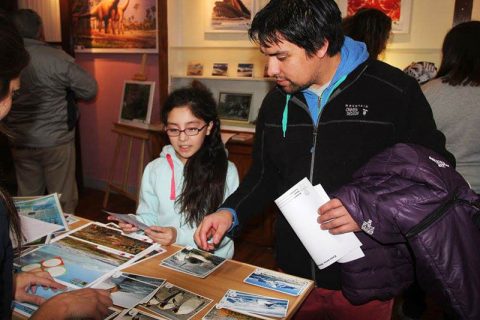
<point>476,10</point>
<point>430,21</point>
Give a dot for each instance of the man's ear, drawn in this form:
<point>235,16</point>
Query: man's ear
<point>323,50</point>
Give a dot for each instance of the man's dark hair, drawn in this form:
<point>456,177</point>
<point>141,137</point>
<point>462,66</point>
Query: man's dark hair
<point>27,22</point>
<point>305,23</point>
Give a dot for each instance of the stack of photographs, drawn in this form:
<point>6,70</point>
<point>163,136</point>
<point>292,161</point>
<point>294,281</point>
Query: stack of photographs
<point>129,289</point>
<point>83,256</point>
<point>192,261</point>
<point>172,302</point>
<point>253,304</point>
<point>217,313</point>
<point>277,281</point>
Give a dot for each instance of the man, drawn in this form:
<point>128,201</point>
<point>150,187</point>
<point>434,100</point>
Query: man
<point>332,110</point>
<point>43,147</point>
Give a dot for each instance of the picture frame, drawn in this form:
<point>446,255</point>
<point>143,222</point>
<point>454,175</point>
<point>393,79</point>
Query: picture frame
<point>245,70</point>
<point>220,69</point>
<point>195,68</point>
<point>398,10</point>
<point>137,101</point>
<point>130,27</point>
<point>234,106</point>
<point>233,17</point>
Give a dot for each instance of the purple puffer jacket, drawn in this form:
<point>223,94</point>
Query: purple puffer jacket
<point>408,196</point>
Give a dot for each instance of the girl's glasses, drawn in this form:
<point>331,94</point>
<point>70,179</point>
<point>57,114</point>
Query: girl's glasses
<point>172,132</point>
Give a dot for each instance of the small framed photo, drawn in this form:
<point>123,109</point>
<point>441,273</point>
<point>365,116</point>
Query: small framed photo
<point>195,69</point>
<point>234,106</point>
<point>220,69</point>
<point>245,70</point>
<point>137,100</point>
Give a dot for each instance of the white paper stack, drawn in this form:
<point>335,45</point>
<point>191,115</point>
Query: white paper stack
<point>299,205</point>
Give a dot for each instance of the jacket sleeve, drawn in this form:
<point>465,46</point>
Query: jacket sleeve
<point>76,78</point>
<point>257,188</point>
<point>148,202</point>
<point>421,127</point>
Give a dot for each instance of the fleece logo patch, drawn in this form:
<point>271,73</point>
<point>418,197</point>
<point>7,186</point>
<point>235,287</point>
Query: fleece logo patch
<point>355,110</point>
<point>439,163</point>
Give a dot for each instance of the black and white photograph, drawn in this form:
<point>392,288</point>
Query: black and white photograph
<point>137,101</point>
<point>193,261</point>
<point>245,70</point>
<point>251,303</point>
<point>136,314</point>
<point>176,303</point>
<point>127,290</point>
<point>277,281</point>
<point>220,69</point>
<point>217,313</point>
<point>234,106</point>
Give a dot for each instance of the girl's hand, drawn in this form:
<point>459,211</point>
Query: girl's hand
<point>126,227</point>
<point>162,235</point>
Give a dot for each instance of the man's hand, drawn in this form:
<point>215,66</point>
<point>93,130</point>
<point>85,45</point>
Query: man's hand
<point>211,230</point>
<point>78,304</point>
<point>25,285</point>
<point>162,235</point>
<point>335,218</point>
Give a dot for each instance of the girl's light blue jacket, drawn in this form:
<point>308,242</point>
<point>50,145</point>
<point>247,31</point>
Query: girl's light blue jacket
<point>157,205</point>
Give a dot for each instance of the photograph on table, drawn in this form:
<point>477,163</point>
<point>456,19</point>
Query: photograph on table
<point>176,303</point>
<point>137,101</point>
<point>68,262</point>
<point>277,281</point>
<point>234,106</point>
<point>217,313</point>
<point>252,303</point>
<point>46,209</point>
<point>127,290</point>
<point>193,261</point>
<point>111,238</point>
<point>137,314</point>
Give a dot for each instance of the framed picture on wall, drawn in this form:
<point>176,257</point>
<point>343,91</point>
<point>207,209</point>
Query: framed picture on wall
<point>398,10</point>
<point>234,106</point>
<point>229,15</point>
<point>124,26</point>
<point>137,101</point>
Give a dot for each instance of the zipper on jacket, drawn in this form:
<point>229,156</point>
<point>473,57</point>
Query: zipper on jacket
<point>431,218</point>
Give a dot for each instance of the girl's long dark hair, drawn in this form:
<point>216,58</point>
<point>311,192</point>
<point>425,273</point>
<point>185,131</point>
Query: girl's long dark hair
<point>461,55</point>
<point>13,58</point>
<point>205,172</point>
<point>12,217</point>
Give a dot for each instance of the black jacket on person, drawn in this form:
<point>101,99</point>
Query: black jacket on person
<point>375,107</point>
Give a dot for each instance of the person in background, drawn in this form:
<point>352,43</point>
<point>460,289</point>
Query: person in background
<point>454,95</point>
<point>43,149</point>
<point>332,110</point>
<point>371,26</point>
<point>83,303</point>
<point>191,177</point>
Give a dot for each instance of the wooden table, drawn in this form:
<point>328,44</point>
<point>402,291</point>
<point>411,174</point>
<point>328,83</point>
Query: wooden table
<point>229,275</point>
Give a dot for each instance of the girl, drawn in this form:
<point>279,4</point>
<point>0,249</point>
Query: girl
<point>191,177</point>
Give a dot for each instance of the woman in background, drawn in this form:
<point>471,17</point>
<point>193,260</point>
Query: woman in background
<point>454,96</point>
<point>83,303</point>
<point>370,26</point>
